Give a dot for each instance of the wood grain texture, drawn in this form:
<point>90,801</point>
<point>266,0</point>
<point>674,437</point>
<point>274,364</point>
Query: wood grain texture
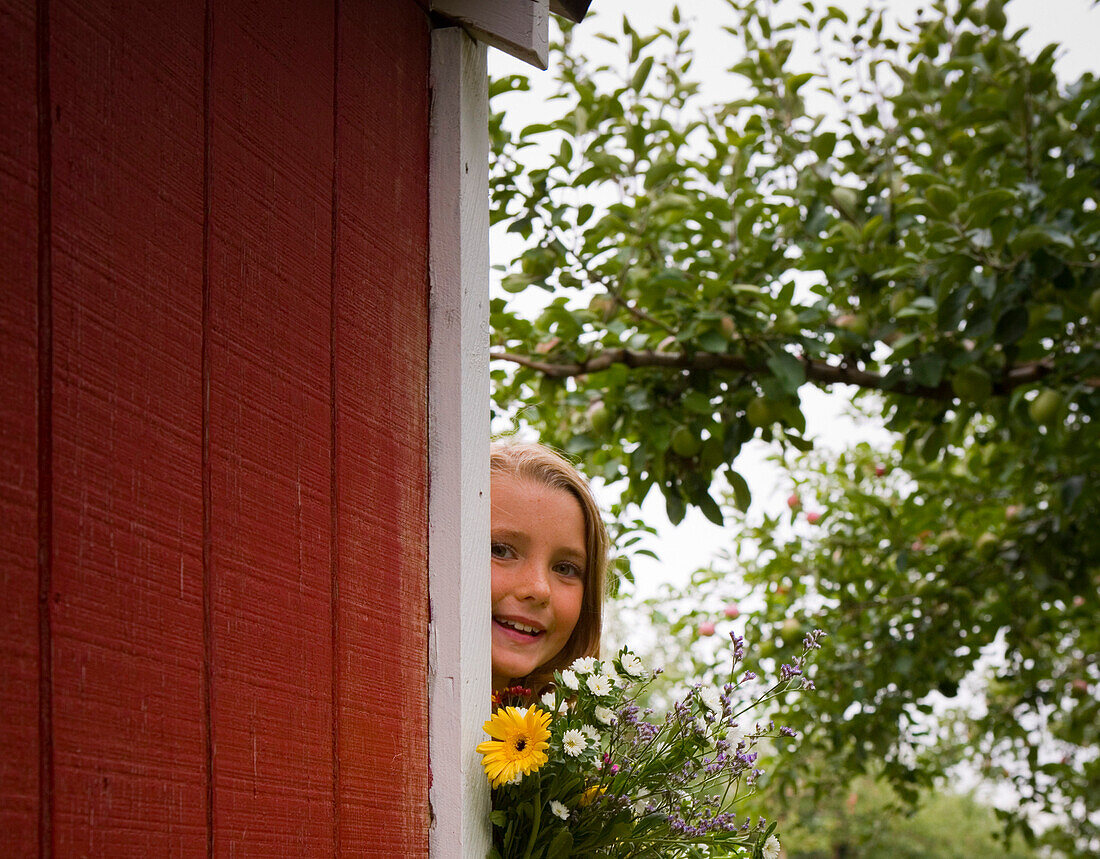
<point>517,27</point>
<point>19,665</point>
<point>126,602</point>
<point>271,103</point>
<point>234,416</point>
<point>381,391</point>
<point>458,516</point>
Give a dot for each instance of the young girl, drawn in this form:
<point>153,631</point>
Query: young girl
<point>549,563</point>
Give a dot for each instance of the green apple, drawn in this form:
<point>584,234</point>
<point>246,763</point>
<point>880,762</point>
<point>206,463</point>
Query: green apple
<point>685,443</point>
<point>1044,409</point>
<point>599,417</point>
<point>972,384</point>
<point>759,413</point>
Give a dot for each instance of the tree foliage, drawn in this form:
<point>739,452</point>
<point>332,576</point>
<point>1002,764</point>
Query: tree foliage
<point>917,220</point>
<point>864,820</point>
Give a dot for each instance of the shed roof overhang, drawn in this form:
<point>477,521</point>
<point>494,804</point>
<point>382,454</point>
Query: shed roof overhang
<point>517,27</point>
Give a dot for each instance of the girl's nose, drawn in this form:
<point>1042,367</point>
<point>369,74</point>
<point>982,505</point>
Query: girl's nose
<point>534,583</point>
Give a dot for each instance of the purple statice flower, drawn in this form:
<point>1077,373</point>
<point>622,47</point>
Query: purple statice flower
<point>786,672</point>
<point>628,715</point>
<point>813,640</point>
<point>786,732</point>
<point>738,647</point>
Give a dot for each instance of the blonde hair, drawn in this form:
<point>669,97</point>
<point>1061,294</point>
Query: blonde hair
<point>541,464</point>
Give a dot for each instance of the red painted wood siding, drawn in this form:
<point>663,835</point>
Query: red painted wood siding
<point>213,479</point>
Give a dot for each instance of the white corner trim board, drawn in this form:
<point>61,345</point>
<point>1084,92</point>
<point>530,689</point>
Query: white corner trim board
<point>517,27</point>
<point>459,684</point>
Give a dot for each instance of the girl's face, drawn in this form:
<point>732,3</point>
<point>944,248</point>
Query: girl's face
<point>538,547</point>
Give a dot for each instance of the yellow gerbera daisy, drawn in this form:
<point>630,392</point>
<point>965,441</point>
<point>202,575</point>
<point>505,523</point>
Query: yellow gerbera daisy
<point>519,744</point>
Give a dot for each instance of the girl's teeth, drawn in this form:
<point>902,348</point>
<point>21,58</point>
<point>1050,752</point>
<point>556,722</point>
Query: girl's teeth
<point>522,627</point>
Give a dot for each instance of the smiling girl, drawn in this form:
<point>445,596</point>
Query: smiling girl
<point>549,563</point>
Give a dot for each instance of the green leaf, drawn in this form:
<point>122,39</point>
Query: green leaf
<point>943,199</point>
<point>561,845</point>
<point>516,282</point>
<point>674,506</point>
<point>637,81</point>
<point>790,372</point>
<point>1035,236</point>
<point>796,82</point>
<point>927,370</point>
<point>580,443</point>
<point>742,496</point>
<point>1012,325</point>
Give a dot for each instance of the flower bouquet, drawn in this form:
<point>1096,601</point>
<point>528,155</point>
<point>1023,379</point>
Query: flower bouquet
<point>586,772</point>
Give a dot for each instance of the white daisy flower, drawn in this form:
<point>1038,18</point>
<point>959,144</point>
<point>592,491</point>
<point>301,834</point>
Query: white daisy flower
<point>599,684</point>
<point>548,699</point>
<point>570,679</point>
<point>735,735</point>
<point>584,664</point>
<point>590,732</point>
<point>711,698</point>
<point>632,664</point>
<point>605,715</point>
<point>771,848</point>
<point>559,809</point>
<point>573,742</point>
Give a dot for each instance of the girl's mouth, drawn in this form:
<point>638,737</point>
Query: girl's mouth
<point>518,627</point>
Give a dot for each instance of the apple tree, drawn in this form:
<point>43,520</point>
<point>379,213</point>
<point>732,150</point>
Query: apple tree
<point>915,220</point>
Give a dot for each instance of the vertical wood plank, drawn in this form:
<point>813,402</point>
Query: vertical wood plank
<point>381,428</point>
<point>126,578</point>
<point>271,148</point>
<point>19,664</point>
<point>458,515</point>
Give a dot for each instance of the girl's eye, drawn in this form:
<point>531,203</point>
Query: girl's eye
<point>500,550</point>
<point>567,569</point>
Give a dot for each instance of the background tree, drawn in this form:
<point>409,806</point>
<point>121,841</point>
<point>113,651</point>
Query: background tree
<point>865,820</point>
<point>919,221</point>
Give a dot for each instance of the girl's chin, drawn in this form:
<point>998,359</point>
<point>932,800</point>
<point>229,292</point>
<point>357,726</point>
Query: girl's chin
<point>509,665</point>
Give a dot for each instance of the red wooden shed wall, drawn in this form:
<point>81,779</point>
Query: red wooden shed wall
<point>213,337</point>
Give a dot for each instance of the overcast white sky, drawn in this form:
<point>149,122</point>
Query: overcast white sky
<point>1074,24</point>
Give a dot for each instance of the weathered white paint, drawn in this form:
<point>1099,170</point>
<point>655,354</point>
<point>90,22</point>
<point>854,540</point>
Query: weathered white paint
<point>517,27</point>
<point>458,444</point>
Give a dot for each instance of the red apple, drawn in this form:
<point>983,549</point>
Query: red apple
<point>547,346</point>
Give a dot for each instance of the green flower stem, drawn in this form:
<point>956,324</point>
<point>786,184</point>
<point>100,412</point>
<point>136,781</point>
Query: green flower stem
<point>537,817</point>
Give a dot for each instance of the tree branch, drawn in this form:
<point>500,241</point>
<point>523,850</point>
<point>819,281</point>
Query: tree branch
<point>819,372</point>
